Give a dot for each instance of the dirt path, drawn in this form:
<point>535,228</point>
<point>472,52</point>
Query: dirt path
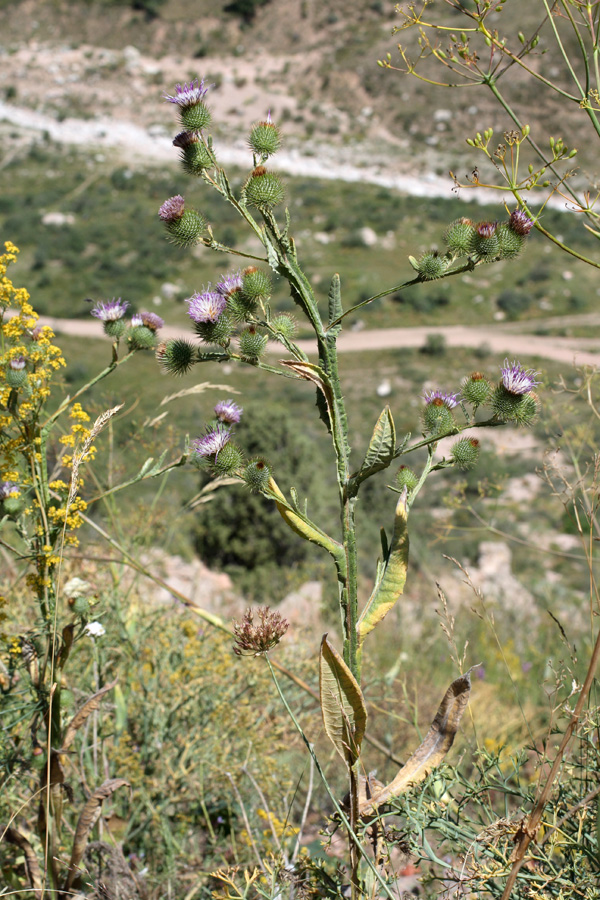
<point>500,340</point>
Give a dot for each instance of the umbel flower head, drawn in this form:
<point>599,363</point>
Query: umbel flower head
<point>193,112</point>
<point>254,638</point>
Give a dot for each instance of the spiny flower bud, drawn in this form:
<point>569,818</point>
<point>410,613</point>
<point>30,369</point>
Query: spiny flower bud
<point>476,389</point>
<point>16,372</point>
<point>437,415</point>
<point>256,285</point>
<point>510,243</point>
<point>229,460</point>
<point>521,409</point>
<point>459,236</point>
<point>193,112</point>
<point>252,343</point>
<point>465,453</point>
<point>218,332</point>
<point>176,356</point>
<point>431,266</point>
<point>405,477</point>
<point>514,400</point>
<point>142,334</point>
<point>257,474</point>
<point>252,639</point>
<point>285,325</point>
<point>195,155</point>
<point>265,138</point>
<point>263,189</point>
<point>184,225</point>
<point>485,245</point>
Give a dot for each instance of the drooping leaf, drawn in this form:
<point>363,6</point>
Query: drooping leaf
<point>313,373</point>
<point>88,818</point>
<point>434,747</point>
<point>382,446</point>
<point>342,704</point>
<point>32,868</point>
<point>387,590</point>
<point>82,714</point>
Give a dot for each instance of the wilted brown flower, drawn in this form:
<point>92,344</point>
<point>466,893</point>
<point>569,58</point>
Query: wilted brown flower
<point>253,639</point>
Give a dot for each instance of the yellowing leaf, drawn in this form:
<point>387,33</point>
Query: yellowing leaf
<point>342,704</point>
<point>387,590</point>
<point>434,748</point>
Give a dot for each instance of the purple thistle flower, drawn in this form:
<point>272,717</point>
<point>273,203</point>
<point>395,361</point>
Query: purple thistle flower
<point>206,307</point>
<point>449,399</point>
<point>520,222</point>
<point>212,442</point>
<point>186,139</point>
<point>189,94</point>
<point>172,209</point>
<point>18,363</point>
<point>136,320</point>
<point>229,284</point>
<point>151,320</point>
<point>7,488</point>
<point>228,412</point>
<point>110,310</point>
<point>486,229</point>
<point>518,380</point>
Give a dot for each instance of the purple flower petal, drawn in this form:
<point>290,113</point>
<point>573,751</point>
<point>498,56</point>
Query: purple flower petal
<point>518,380</point>
<point>206,307</point>
<point>189,94</point>
<point>110,310</point>
<point>228,412</point>
<point>449,399</point>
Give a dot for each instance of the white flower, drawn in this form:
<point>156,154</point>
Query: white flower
<point>77,587</point>
<point>95,629</point>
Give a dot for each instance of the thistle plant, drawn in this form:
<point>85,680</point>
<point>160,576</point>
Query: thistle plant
<point>236,322</point>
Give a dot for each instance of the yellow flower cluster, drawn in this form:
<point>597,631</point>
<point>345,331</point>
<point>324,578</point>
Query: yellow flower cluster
<point>23,339</point>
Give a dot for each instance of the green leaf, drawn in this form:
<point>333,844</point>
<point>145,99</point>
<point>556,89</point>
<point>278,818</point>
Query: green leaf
<point>120,710</point>
<point>335,304</point>
<point>382,446</point>
<point>342,704</point>
<point>387,591</point>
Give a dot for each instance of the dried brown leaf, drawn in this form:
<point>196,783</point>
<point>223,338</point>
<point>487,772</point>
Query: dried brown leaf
<point>82,714</point>
<point>88,818</point>
<point>12,836</point>
<point>434,747</point>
